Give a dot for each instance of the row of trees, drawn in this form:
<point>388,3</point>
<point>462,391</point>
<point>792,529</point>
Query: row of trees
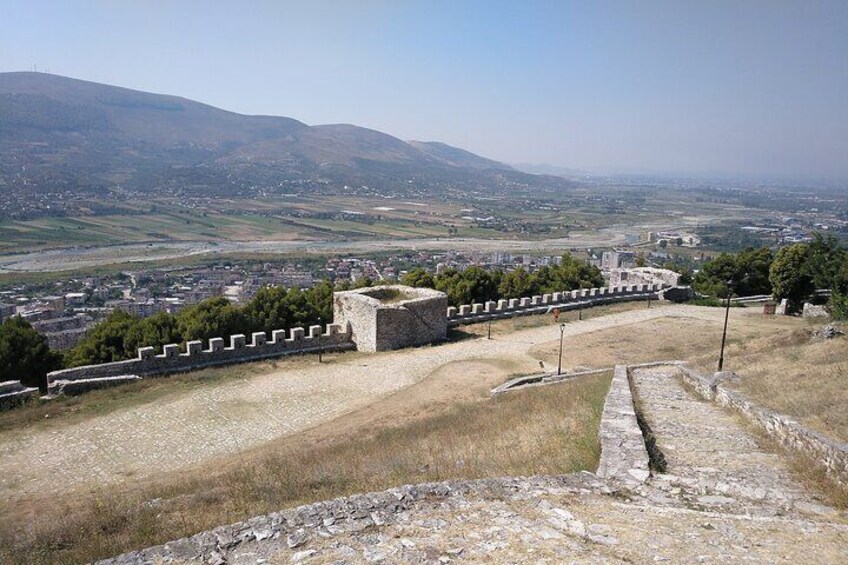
<point>120,335</point>
<point>794,273</point>
<point>478,285</point>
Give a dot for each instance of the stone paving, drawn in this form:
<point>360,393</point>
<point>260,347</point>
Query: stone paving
<point>722,499</point>
<point>229,416</point>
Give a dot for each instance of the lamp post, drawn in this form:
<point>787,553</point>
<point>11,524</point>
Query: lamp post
<point>559,363</point>
<point>489,329</point>
<point>320,348</point>
<point>724,331</point>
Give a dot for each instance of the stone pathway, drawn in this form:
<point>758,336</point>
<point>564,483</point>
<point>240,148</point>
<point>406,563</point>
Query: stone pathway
<point>714,462</point>
<point>722,500</point>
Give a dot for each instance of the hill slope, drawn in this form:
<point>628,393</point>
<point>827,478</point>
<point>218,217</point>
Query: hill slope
<point>62,133</point>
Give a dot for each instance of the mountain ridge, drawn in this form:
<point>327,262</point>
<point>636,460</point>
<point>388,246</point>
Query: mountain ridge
<point>59,131</point>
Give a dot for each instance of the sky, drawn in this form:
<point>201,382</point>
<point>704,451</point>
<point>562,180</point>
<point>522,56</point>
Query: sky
<point>739,86</point>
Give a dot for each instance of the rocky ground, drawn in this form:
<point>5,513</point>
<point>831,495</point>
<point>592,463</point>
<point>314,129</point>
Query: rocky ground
<point>722,498</point>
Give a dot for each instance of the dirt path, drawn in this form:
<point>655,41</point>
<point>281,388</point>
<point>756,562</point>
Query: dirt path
<point>231,416</point>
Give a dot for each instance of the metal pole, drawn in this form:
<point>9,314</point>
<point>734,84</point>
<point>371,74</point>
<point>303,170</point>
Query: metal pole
<point>559,363</point>
<point>320,348</point>
<point>724,332</point>
<point>489,330</point>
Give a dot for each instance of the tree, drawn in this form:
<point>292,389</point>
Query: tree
<point>155,331</point>
<point>419,278</point>
<point>663,243</point>
<point>838,303</point>
<point>469,286</point>
<point>790,276</point>
<point>825,258</point>
<point>25,355</point>
<point>213,317</point>
<point>106,342</point>
<point>748,270</point>
<point>517,283</point>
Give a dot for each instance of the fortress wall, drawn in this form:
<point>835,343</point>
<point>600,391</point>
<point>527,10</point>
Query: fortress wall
<point>830,455</point>
<point>567,300</point>
<point>239,350</point>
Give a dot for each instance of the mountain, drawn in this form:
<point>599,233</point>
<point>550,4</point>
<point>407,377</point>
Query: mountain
<point>457,157</point>
<point>59,133</point>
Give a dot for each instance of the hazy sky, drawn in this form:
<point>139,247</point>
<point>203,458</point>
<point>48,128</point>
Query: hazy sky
<point>711,86</point>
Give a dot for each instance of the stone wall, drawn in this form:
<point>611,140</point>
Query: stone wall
<point>196,356</point>
<point>572,300</point>
<point>13,393</point>
<point>391,317</point>
<point>830,455</point>
<point>624,457</point>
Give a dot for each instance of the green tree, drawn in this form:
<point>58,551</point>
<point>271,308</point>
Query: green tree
<point>790,275</point>
<point>25,355</point>
<point>838,303</point>
<point>155,331</point>
<point>106,342</point>
<point>213,317</point>
<point>471,285</point>
<point>419,278</point>
<point>517,284</point>
<point>825,258</point>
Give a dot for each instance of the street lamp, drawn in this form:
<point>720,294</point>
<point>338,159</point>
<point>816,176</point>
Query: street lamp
<point>559,363</point>
<point>320,348</point>
<point>724,331</point>
<point>489,329</point>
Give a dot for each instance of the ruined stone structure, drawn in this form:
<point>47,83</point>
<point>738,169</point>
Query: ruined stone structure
<point>391,317</point>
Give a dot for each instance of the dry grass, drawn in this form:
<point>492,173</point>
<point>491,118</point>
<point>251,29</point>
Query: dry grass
<point>797,376</point>
<point>547,430</point>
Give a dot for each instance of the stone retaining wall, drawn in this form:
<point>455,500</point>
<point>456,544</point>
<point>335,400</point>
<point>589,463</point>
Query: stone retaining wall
<point>830,455</point>
<point>540,304</point>
<point>298,526</point>
<point>172,360</point>
<point>624,457</point>
<point>13,393</point>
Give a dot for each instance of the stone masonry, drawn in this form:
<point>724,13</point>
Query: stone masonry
<point>391,317</point>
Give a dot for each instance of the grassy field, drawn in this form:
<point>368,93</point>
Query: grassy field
<point>548,430</point>
<point>804,378</point>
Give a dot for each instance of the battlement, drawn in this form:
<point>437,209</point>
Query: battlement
<point>173,359</point>
<point>564,301</point>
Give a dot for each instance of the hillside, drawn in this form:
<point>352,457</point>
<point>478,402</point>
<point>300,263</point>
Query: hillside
<point>58,133</point>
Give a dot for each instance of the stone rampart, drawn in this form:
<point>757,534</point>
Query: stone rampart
<point>564,301</point>
<point>830,455</point>
<point>624,457</point>
<point>173,360</point>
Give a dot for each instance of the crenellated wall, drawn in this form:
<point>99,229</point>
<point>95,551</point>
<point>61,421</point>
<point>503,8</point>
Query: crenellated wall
<point>572,300</point>
<point>217,352</point>
<point>414,320</point>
